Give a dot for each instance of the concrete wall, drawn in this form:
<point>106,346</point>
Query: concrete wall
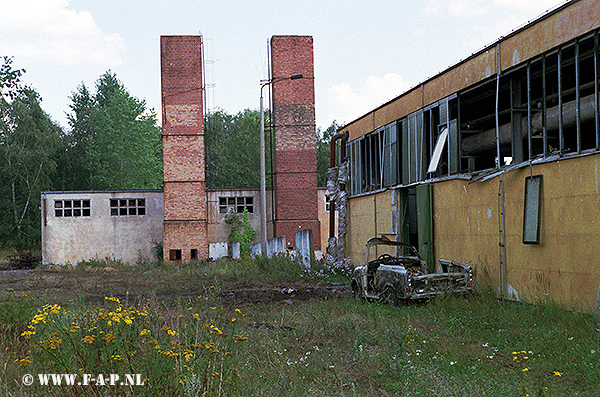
<point>130,238</point>
<point>218,230</point>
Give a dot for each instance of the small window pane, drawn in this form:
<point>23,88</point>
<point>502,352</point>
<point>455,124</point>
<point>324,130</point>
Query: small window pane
<point>58,204</point>
<point>122,203</point>
<point>123,211</point>
<point>77,212</point>
<point>132,211</point>
<point>58,213</point>
<point>67,203</point>
<point>114,203</point>
<point>141,202</point>
<point>85,203</point>
<point>114,211</point>
<point>76,203</point>
<point>141,211</point>
<point>67,213</point>
<point>86,212</point>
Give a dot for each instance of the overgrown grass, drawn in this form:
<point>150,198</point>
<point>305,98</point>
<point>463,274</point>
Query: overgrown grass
<point>169,324</point>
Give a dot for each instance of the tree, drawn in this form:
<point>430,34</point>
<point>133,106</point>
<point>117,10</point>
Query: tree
<point>323,152</point>
<point>29,145</point>
<point>232,147</point>
<point>114,142</point>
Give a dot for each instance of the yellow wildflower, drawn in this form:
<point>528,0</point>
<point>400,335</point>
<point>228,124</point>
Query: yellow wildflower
<point>38,318</point>
<point>113,299</point>
<point>196,316</point>
<point>25,362</point>
<point>556,373</point>
<point>109,337</point>
<point>116,357</point>
<point>238,311</point>
<point>144,332</point>
<point>28,334</point>
<point>89,339</point>
<point>526,369</point>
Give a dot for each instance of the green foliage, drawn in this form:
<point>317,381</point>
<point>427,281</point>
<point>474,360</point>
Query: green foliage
<point>167,354</point>
<point>29,147</point>
<point>114,141</point>
<point>241,231</point>
<point>323,152</point>
<point>298,344</point>
<point>232,148</point>
<point>9,78</point>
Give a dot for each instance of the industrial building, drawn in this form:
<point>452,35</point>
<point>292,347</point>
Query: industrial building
<point>493,162</point>
<point>186,218</point>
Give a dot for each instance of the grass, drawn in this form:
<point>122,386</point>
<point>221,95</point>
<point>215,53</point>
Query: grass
<point>174,326</point>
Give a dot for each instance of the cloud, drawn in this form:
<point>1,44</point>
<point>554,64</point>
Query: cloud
<point>49,31</point>
<point>348,104</point>
<point>455,8</point>
<point>521,5</point>
<point>466,8</point>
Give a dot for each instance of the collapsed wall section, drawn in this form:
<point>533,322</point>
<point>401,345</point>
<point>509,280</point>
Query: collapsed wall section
<point>293,118</point>
<point>185,224</point>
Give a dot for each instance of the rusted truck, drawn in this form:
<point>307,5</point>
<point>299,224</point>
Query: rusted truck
<point>397,278</point>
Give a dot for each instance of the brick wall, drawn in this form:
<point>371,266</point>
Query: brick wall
<point>185,226</point>
<point>293,112</point>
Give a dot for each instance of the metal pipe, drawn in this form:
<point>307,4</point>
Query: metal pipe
<point>263,167</point>
<point>485,140</point>
<point>332,147</point>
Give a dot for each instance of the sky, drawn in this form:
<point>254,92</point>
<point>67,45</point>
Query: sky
<point>365,52</point>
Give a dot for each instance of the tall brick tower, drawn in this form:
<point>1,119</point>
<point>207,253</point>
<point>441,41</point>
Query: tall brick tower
<point>185,224</point>
<point>293,113</point>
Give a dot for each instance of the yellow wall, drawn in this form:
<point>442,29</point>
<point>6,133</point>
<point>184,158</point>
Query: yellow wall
<point>564,266</point>
<point>370,216</point>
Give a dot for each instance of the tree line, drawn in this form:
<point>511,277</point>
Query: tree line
<point>112,142</point>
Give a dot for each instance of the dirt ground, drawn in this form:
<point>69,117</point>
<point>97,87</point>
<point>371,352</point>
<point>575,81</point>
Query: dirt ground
<point>92,285</point>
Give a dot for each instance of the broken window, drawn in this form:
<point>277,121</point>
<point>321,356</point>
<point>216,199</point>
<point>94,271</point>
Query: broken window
<point>174,255</point>
<point>127,207</point>
<point>390,155</point>
<point>236,204</point>
<point>72,208</point>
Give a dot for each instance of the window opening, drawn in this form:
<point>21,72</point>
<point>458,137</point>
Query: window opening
<point>127,207</point>
<point>175,255</point>
<point>72,208</point>
<point>437,151</point>
<point>236,204</point>
<point>194,254</point>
